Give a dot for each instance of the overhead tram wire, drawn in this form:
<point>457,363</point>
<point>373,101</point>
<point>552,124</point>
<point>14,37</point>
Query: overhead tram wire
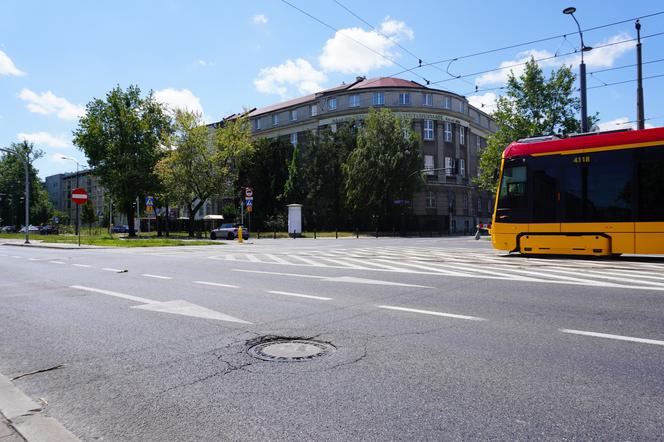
<point>625,81</point>
<point>547,58</point>
<point>540,40</point>
<point>351,38</point>
<point>419,59</point>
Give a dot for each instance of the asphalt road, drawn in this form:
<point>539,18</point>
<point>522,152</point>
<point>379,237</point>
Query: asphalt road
<point>433,339</point>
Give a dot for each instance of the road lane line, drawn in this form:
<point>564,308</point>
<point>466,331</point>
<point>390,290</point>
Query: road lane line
<point>85,266</point>
<point>609,336</point>
<point>116,294</point>
<point>299,295</point>
<point>251,257</point>
<point>306,261</point>
<point>346,265</point>
<point>277,259</point>
<point>278,273</point>
<point>147,275</point>
<point>108,269</point>
<point>56,262</point>
<point>605,276</point>
<point>217,284</point>
<point>16,257</point>
<point>429,312</point>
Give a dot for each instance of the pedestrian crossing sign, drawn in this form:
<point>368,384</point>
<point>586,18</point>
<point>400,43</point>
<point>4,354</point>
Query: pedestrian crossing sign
<point>149,201</point>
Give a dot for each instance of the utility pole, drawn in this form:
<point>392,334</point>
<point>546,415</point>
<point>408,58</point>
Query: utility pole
<point>582,72</point>
<point>640,117</point>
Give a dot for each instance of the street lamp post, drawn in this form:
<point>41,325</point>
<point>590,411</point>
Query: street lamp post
<point>78,214</point>
<point>582,72</point>
<point>26,162</point>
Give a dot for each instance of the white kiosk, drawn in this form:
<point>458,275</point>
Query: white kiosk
<point>294,219</point>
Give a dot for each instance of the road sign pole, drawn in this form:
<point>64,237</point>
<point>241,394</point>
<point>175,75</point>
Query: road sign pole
<point>78,224</point>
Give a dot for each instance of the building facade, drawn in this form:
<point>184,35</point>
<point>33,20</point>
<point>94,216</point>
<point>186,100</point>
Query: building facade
<point>59,189</point>
<point>452,132</point>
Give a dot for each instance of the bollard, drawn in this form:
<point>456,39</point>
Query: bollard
<point>258,234</point>
<point>376,232</point>
<point>239,235</point>
<point>274,236</point>
<point>314,234</point>
<point>336,234</point>
<point>357,233</point>
<point>293,234</point>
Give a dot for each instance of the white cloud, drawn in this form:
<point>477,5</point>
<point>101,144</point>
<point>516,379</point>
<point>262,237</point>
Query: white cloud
<point>57,158</point>
<point>344,54</point>
<point>7,66</point>
<point>206,64</point>
<point>276,79</point>
<point>44,138</point>
<point>48,103</point>
<point>179,99</point>
<point>605,57</point>
<point>600,57</point>
<point>518,66</point>
<point>620,123</point>
<point>259,19</point>
<point>486,102</point>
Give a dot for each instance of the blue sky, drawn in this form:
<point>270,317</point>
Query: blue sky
<point>222,56</point>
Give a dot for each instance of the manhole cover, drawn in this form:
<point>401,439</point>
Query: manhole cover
<point>286,350</point>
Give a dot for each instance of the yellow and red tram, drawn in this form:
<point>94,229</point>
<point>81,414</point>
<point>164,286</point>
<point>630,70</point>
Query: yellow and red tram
<point>592,194</point>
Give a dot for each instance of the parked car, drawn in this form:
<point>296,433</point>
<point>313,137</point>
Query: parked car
<point>120,229</point>
<point>49,230</point>
<point>229,231</point>
<point>31,229</point>
<point>8,229</point>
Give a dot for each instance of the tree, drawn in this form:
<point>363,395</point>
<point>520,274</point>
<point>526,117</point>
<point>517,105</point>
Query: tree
<point>294,188</point>
<point>322,176</point>
<point>191,171</point>
<point>122,137</point>
<point>383,168</point>
<point>88,214</point>
<point>532,106</point>
<point>12,186</point>
<point>266,171</point>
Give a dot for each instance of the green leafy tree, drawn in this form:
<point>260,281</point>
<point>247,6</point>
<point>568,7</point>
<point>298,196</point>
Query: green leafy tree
<point>322,176</point>
<point>122,137</point>
<point>12,186</point>
<point>294,187</point>
<point>383,168</point>
<point>88,215</point>
<point>191,171</point>
<point>532,105</point>
<point>266,171</point>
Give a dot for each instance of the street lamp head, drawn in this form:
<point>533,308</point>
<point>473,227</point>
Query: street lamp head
<point>587,48</point>
<point>570,10</point>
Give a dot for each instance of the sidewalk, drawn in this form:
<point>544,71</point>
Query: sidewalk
<point>22,419</point>
<point>44,245</point>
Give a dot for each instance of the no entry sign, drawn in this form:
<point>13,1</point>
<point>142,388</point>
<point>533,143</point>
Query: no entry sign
<point>79,195</point>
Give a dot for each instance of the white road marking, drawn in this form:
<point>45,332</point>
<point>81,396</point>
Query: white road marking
<point>609,336</point>
<point>85,266</point>
<point>429,312</point>
<point>346,265</point>
<point>31,259</point>
<point>350,279</point>
<point>306,261</point>
<point>56,262</point>
<point>251,257</point>
<point>277,259</point>
<point>116,294</point>
<point>108,269</point>
<point>147,275</point>
<point>217,284</point>
<point>299,295</point>
<point>16,257</point>
<point>604,276</point>
<point>178,307</point>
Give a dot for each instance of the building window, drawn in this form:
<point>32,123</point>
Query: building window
<point>447,130</point>
<point>479,206</point>
<point>462,135</point>
<point>293,139</point>
<point>428,129</point>
<point>353,100</point>
<point>462,107</point>
<point>331,104</point>
<point>313,110</point>
<point>275,119</point>
<point>404,98</point>
<point>449,166</point>
<point>447,103</point>
<point>293,115</point>
<point>428,164</point>
<point>462,167</point>
<point>257,124</point>
<point>478,142</point>
<point>428,100</point>
<point>431,200</point>
<point>378,99</point>
<point>333,127</point>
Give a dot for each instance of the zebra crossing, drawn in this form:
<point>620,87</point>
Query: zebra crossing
<point>465,263</point>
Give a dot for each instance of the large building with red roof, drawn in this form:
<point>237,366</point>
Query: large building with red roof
<point>452,133</point>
